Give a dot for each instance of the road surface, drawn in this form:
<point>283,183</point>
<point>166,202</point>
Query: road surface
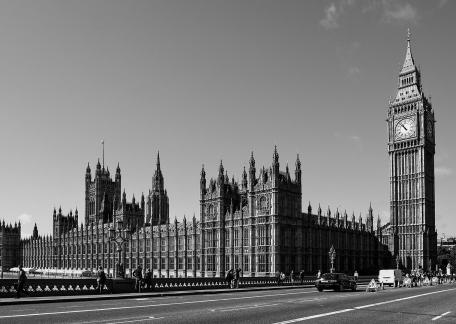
<point>435,304</point>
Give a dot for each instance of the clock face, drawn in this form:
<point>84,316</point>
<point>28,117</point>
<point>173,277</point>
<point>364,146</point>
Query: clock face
<point>405,128</point>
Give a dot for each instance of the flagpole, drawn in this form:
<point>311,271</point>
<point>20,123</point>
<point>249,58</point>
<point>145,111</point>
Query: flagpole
<point>102,143</point>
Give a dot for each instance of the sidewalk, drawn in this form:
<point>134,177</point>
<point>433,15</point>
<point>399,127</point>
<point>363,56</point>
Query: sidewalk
<point>60,299</point>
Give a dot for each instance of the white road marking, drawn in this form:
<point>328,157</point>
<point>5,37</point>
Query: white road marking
<point>315,316</point>
<point>404,298</point>
<point>440,316</point>
<point>366,306</point>
<point>230,309</point>
<point>111,320</point>
<point>153,305</point>
<point>138,320</point>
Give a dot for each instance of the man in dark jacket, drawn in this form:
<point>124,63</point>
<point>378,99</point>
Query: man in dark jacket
<point>101,279</point>
<point>229,278</point>
<point>21,279</point>
<point>138,278</point>
<point>237,275</point>
<point>148,279</point>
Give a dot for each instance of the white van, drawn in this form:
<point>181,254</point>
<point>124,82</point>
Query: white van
<point>392,277</point>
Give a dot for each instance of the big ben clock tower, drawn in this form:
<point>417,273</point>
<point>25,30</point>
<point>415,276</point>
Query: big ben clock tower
<point>411,148</point>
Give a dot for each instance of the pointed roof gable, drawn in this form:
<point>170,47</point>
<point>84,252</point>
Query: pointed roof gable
<point>409,62</point>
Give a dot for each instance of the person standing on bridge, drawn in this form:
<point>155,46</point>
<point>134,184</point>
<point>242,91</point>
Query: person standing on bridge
<point>237,275</point>
<point>355,276</point>
<point>301,276</point>
<point>101,279</point>
<point>229,278</point>
<point>138,278</point>
<point>148,279</point>
<point>21,279</point>
<point>318,274</point>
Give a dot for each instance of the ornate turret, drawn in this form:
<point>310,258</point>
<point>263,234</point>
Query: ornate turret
<point>298,170</point>
<point>252,172</point>
<point>157,180</point>
<point>409,81</point>
<point>88,173</point>
<point>157,211</point>
<point>124,198</point>
<point>203,181</point>
<point>98,170</point>
<point>35,232</point>
<point>244,180</point>
<point>309,209</point>
<point>220,177</point>
<point>370,219</point>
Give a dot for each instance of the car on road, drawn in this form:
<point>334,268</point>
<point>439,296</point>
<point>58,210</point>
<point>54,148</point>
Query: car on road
<point>336,281</point>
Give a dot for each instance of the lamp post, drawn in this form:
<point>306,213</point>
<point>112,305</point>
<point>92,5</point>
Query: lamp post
<point>332,257</point>
<point>397,261</point>
<point>120,236</point>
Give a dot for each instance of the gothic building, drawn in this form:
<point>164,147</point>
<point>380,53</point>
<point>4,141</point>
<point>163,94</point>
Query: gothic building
<point>411,234</point>
<point>256,225</point>
<point>10,237</point>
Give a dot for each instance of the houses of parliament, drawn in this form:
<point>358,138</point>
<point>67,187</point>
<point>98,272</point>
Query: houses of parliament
<point>257,223</point>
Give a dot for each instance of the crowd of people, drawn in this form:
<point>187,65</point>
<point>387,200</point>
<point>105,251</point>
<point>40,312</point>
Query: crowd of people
<point>144,279</point>
<point>418,278</point>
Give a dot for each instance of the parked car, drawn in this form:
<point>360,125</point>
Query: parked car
<point>392,277</point>
<point>336,281</point>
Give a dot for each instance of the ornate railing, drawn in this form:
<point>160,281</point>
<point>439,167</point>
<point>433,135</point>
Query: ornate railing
<point>87,286</point>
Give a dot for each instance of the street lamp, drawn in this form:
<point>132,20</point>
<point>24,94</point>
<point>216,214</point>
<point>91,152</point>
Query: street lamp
<point>119,236</point>
<point>397,261</point>
<point>332,257</point>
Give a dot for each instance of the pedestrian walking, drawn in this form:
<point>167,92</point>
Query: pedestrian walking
<point>292,277</point>
<point>21,279</point>
<point>301,276</point>
<point>282,278</point>
<point>148,279</point>
<point>318,274</point>
<point>237,275</point>
<point>101,279</point>
<point>278,278</point>
<point>138,278</point>
<point>355,276</point>
<point>229,278</point>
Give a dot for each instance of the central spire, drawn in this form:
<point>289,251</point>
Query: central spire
<point>409,63</point>
<point>158,160</point>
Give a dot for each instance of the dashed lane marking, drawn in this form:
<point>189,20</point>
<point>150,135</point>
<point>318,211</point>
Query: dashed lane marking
<point>315,316</point>
<point>301,319</point>
<point>440,316</point>
<point>152,305</point>
<point>230,309</point>
<point>404,298</point>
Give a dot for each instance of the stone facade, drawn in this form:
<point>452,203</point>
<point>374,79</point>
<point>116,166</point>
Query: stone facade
<point>256,225</point>
<point>10,236</point>
<point>411,234</point>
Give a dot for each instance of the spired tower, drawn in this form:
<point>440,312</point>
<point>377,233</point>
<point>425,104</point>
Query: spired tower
<point>100,194</point>
<point>157,211</point>
<point>411,148</point>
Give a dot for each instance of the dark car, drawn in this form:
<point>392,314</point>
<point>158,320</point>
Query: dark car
<point>336,281</point>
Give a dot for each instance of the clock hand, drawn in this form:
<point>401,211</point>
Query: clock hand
<point>404,127</point>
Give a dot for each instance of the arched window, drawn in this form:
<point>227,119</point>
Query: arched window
<point>263,202</point>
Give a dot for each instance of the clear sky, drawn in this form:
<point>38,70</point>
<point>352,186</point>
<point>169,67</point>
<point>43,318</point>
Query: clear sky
<point>208,80</point>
